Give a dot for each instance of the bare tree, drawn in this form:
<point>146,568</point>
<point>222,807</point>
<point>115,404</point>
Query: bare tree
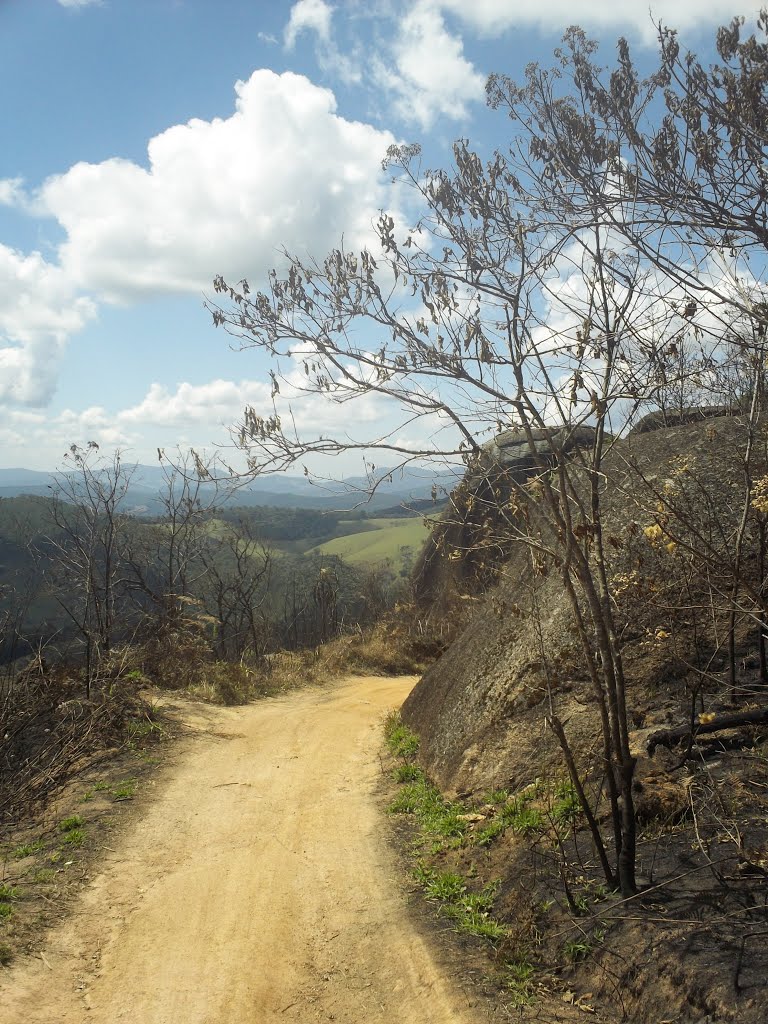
<point>481,352</point>
<point>85,546</point>
<point>165,556</point>
<point>597,266</point>
<point>238,570</point>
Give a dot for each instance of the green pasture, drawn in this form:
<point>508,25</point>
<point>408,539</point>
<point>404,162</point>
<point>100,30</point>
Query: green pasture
<point>381,541</point>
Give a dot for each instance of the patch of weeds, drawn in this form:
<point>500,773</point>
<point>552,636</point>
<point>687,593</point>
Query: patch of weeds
<point>135,676</point>
<point>437,817</point>
<point>469,911</point>
<point>486,835</point>
<point>593,892</point>
<point>442,825</point>
<point>407,773</point>
<point>125,790</point>
<point>517,978</point>
<point>99,787</point>
<point>75,837</point>
<point>5,911</point>
<point>442,885</point>
<point>54,857</point>
<point>474,922</point>
<point>401,741</point>
<point>538,809</point>
<point>497,796</point>
<point>72,823</point>
<point>87,795</point>
<point>8,892</point>
<point>44,875</point>
<point>529,821</point>
<point>147,758</point>
<point>28,849</point>
<point>409,799</point>
<point>6,955</point>
<point>516,814</point>
<point>144,728</point>
<point>565,805</point>
<point>578,950</point>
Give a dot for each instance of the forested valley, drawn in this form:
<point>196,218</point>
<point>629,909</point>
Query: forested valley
<point>99,600</point>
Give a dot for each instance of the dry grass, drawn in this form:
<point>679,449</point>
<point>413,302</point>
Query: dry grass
<point>370,652</point>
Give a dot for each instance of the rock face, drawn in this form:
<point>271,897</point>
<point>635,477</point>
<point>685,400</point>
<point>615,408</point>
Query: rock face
<point>455,560</point>
<point>480,709</point>
<point>512,450</point>
<point>660,420</point>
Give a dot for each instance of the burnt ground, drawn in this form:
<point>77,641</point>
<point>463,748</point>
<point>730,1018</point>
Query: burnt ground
<point>51,846</point>
<point>690,947</point>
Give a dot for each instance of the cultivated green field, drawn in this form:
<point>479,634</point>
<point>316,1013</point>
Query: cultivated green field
<point>381,541</point>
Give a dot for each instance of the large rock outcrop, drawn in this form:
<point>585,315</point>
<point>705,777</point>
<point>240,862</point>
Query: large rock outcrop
<point>480,709</point>
<point>460,558</point>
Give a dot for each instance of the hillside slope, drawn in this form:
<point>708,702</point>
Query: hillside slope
<point>481,713</point>
<point>382,541</point>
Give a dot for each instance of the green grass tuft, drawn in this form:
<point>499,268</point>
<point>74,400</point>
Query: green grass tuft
<point>28,849</point>
<point>497,796</point>
<point>69,824</point>
<point>437,817</point>
<point>517,978</point>
<point>125,790</point>
<point>75,837</point>
<point>469,911</point>
<point>401,741</point>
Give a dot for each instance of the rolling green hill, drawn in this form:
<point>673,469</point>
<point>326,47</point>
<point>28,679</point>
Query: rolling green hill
<point>383,540</point>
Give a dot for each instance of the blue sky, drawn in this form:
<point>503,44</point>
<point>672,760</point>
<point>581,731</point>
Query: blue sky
<point>149,145</point>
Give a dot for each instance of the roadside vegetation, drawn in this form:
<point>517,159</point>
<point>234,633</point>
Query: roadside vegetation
<point>53,834</point>
<point>449,843</point>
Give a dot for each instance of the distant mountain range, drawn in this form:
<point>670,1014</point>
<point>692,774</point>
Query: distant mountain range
<point>281,490</point>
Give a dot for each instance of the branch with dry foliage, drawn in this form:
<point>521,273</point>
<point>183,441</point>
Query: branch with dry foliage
<point>596,267</point>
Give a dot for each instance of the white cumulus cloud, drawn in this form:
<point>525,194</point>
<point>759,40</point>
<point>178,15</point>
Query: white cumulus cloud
<point>429,76</point>
<point>38,311</point>
<point>222,196</point>
<point>218,401</point>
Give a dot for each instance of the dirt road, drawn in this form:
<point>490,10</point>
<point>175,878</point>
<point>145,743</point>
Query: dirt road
<point>257,887</point>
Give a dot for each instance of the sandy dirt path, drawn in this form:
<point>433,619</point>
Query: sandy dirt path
<point>257,887</point>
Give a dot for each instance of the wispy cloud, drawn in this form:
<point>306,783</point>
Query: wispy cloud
<point>315,18</point>
<point>490,17</point>
<point>80,3</point>
<point>308,16</point>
